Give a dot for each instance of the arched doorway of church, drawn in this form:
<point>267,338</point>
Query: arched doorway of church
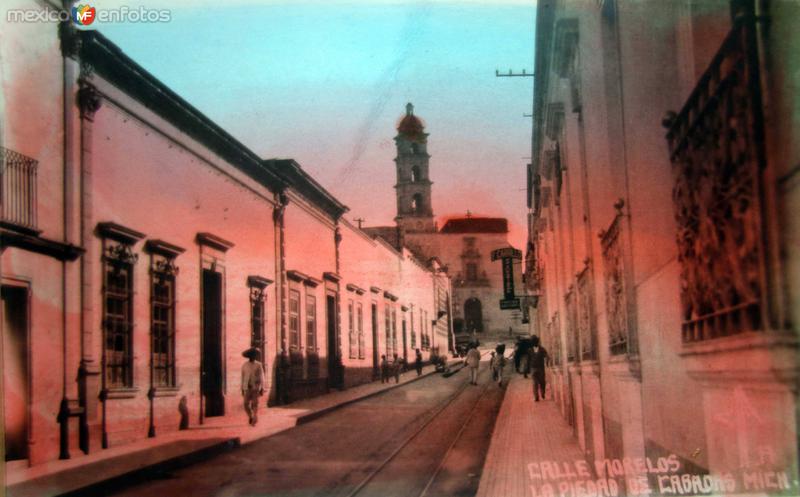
<point>473,315</point>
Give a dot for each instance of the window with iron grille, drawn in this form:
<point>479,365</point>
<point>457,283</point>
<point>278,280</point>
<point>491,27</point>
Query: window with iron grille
<point>294,319</point>
<point>257,320</point>
<point>18,189</point>
<point>615,289</point>
<point>351,329</point>
<point>162,328</point>
<point>388,331</point>
<point>572,331</point>
<point>716,145</point>
<point>118,319</point>
<point>413,334</point>
<point>423,330</point>
<point>311,323</point>
<point>361,340</point>
<point>394,330</point>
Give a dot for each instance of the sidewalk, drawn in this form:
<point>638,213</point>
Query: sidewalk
<point>527,432</point>
<point>175,449</point>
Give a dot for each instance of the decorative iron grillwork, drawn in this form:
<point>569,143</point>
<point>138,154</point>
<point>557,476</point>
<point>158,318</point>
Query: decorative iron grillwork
<point>616,301</point>
<point>586,327</point>
<point>162,329</point>
<point>118,315</point>
<point>18,192</point>
<point>351,327</point>
<point>572,329</point>
<point>361,339</point>
<point>716,148</point>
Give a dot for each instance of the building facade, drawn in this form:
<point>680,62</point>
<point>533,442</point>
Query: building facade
<point>144,248</point>
<point>662,259</point>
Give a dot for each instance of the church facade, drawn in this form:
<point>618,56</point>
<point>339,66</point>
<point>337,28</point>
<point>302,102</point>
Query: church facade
<point>463,245</point>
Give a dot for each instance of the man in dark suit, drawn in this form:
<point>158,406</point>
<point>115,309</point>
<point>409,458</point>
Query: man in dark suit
<point>537,360</point>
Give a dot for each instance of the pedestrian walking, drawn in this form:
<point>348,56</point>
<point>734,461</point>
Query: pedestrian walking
<point>499,363</point>
<point>384,369</point>
<point>538,360</point>
<point>521,356</point>
<point>517,353</point>
<point>252,383</point>
<point>396,367</point>
<point>473,361</point>
<point>418,363</point>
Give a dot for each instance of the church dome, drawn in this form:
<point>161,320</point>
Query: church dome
<point>411,126</point>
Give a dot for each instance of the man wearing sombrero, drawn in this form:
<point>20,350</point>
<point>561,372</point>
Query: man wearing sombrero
<point>252,383</point>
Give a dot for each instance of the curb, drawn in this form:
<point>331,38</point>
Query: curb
<point>153,471</point>
<point>305,418</point>
<point>161,469</point>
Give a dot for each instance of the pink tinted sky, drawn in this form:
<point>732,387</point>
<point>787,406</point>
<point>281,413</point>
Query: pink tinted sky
<point>325,83</point>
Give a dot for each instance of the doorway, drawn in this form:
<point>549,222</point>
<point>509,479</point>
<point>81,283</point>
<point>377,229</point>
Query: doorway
<point>15,371</point>
<point>473,315</point>
<point>212,371</point>
<point>334,360</point>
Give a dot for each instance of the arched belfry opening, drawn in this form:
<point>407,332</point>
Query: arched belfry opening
<point>417,204</point>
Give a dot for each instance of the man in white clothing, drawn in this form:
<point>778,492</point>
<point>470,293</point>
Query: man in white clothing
<point>252,383</point>
<point>473,361</point>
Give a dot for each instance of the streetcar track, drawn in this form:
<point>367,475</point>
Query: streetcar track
<point>455,440</point>
<point>372,474</point>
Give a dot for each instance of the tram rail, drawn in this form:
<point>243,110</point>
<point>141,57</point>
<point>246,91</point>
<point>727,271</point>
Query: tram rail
<point>431,418</point>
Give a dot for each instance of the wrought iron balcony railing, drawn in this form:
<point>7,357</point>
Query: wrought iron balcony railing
<point>18,191</point>
<point>716,147</point>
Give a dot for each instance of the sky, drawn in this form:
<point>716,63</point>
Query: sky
<point>325,83</point>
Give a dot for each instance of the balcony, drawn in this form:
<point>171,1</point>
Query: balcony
<point>18,192</point>
<point>716,150</point>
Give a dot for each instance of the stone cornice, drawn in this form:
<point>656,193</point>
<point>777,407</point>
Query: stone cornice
<point>214,241</point>
<point>119,233</point>
<point>39,245</point>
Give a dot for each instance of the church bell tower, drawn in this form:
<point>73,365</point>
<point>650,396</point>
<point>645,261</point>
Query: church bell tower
<point>414,209</point>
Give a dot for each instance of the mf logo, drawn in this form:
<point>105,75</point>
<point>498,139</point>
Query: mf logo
<point>83,15</point>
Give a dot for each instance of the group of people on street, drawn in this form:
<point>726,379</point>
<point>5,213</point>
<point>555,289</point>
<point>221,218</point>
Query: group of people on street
<point>397,366</point>
<point>530,358</point>
<point>253,377</point>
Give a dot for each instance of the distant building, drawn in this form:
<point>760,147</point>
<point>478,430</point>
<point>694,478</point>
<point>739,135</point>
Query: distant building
<point>463,245</point>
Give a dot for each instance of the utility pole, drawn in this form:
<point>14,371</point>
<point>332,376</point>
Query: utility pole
<point>359,220</point>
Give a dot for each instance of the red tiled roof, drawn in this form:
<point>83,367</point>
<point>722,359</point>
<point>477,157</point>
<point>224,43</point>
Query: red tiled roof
<point>476,225</point>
